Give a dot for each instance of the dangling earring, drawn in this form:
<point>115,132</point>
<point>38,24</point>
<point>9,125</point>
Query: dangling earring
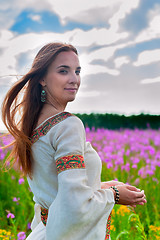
<point>43,96</point>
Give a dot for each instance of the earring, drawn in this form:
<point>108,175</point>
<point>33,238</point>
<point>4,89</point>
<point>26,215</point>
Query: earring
<point>43,96</point>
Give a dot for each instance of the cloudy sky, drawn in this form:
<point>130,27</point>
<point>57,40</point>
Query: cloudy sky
<point>118,44</point>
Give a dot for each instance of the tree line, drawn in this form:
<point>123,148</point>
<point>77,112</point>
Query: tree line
<point>115,121</point>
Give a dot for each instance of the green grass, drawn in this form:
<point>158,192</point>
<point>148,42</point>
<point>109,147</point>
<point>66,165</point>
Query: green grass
<point>142,222</point>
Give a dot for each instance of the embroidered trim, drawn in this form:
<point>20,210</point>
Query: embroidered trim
<point>108,227</point>
<point>44,215</point>
<point>69,162</point>
<point>47,125</point>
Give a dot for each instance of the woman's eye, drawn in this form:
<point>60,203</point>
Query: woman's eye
<point>63,71</point>
<point>78,72</point>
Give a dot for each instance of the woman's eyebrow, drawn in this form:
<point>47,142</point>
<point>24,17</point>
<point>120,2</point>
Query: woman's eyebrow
<point>65,66</point>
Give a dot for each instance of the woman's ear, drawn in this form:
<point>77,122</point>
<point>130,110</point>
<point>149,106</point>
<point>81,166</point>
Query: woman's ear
<point>42,82</point>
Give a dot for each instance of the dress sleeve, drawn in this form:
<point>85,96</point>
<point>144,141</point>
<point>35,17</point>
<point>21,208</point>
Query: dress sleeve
<point>77,207</point>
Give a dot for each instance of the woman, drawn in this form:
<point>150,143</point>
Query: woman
<point>62,169</point>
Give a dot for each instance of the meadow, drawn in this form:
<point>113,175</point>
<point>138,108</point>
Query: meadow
<point>130,156</point>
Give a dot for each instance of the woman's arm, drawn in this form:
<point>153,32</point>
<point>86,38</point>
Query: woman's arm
<point>78,208</point>
<point>128,195</point>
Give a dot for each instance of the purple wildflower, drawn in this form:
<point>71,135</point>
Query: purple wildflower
<point>134,166</point>
<point>2,156</point>
<point>109,165</point>
<point>21,180</point>
<point>21,235</point>
<point>29,225</point>
<point>150,172</point>
<point>16,199</point>
<point>10,215</point>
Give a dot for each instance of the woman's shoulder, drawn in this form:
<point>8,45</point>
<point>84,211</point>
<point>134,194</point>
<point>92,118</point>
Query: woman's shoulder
<point>57,123</point>
<point>68,122</point>
<point>67,128</point>
<point>70,118</point>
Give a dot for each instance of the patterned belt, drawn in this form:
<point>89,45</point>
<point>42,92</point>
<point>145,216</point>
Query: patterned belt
<point>108,225</point>
<point>44,215</point>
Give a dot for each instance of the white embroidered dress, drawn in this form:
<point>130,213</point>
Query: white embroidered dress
<point>67,182</point>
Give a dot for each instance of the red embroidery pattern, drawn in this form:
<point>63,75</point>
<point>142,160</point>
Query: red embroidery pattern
<point>44,215</point>
<point>47,125</point>
<point>69,162</point>
<point>108,227</point>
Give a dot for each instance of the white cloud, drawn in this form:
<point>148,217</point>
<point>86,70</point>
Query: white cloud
<point>7,15</point>
<point>88,94</point>
<point>2,127</point>
<point>88,69</point>
<point>93,12</point>
<point>153,29</point>
<point>13,46</point>
<point>147,57</point>
<point>152,32</point>
<point>5,37</point>
<point>121,61</point>
<point>125,8</point>
<point>150,80</point>
<point>87,12</point>
<point>10,10</point>
<point>96,36</point>
<point>104,53</point>
<point>98,48</point>
<point>36,18</point>
<point>84,11</point>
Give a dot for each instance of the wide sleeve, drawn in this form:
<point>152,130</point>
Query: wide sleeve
<point>77,207</point>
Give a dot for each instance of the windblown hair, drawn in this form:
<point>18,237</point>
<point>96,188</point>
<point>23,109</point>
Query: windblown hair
<point>29,107</point>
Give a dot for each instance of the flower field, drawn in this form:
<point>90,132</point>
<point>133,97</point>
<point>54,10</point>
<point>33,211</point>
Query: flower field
<point>130,156</point>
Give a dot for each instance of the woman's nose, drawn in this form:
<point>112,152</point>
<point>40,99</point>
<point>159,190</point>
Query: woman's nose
<point>74,78</point>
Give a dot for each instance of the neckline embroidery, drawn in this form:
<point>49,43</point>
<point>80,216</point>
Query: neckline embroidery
<point>46,120</point>
<point>44,127</point>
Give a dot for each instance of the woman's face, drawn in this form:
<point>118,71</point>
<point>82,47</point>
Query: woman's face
<point>62,80</point>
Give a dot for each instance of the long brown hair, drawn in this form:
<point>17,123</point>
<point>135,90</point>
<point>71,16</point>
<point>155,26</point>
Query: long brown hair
<point>29,107</point>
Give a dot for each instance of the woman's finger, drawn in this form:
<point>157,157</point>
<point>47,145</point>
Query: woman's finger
<point>140,201</point>
<point>140,194</point>
<point>133,188</point>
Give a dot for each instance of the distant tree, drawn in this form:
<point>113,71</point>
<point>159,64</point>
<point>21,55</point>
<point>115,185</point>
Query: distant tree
<point>115,121</point>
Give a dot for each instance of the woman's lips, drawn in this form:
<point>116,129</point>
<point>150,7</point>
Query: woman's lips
<point>71,89</point>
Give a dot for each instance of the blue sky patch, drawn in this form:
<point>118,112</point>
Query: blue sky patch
<point>134,50</point>
<point>48,22</point>
<point>137,19</point>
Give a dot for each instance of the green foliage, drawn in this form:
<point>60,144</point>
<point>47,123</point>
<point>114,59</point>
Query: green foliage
<point>115,121</point>
<point>140,223</point>
<point>15,198</point>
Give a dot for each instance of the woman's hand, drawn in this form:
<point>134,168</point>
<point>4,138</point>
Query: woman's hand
<point>108,184</point>
<point>130,195</point>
